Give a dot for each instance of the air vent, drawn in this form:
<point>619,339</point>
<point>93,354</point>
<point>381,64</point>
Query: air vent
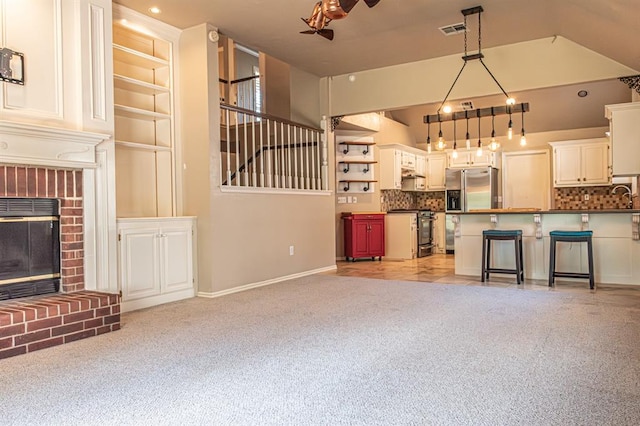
<point>453,29</point>
<point>29,207</point>
<point>466,105</point>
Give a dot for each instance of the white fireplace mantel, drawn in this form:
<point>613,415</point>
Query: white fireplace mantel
<point>37,145</point>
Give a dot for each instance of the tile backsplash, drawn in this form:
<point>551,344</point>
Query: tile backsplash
<point>599,198</point>
<point>396,199</point>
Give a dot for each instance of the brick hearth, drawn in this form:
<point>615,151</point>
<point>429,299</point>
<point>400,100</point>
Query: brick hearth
<point>39,322</point>
<point>27,325</point>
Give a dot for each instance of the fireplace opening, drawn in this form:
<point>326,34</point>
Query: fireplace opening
<point>29,247</point>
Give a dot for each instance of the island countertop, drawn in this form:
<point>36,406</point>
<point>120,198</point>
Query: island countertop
<point>552,211</point>
<point>616,242</point>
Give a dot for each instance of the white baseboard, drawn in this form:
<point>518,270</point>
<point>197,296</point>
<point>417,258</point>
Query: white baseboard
<point>147,302</point>
<point>267,282</point>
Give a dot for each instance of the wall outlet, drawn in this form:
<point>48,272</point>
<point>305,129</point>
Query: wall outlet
<point>291,251</point>
<point>355,199</point>
<point>349,200</point>
<point>586,197</point>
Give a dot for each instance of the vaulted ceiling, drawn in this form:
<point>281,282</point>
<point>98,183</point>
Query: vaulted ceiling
<point>400,31</point>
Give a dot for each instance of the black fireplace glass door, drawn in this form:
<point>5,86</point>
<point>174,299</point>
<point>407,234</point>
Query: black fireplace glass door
<point>14,250</point>
<point>29,248</point>
<point>44,244</point>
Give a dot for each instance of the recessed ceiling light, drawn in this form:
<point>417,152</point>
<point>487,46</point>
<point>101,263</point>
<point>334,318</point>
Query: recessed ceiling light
<point>155,10</point>
<point>583,93</point>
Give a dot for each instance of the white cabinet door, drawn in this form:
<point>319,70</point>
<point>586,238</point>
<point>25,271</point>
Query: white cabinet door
<point>390,169</point>
<point>408,161</point>
<point>484,160</point>
<point>463,160</point>
<point>436,165</point>
<point>567,165</point>
<point>176,254</point>
<point>595,164</point>
<point>421,165</point>
<point>139,263</point>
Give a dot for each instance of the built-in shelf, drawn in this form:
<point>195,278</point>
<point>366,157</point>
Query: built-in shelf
<point>347,144</point>
<point>140,114</point>
<point>366,182</point>
<point>139,59</point>
<point>347,163</point>
<point>143,146</point>
<point>133,85</point>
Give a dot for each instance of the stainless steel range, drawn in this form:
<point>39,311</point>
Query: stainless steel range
<point>425,232</point>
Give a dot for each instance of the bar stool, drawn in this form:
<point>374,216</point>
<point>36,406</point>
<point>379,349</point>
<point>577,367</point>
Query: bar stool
<point>494,234</point>
<point>571,237</point>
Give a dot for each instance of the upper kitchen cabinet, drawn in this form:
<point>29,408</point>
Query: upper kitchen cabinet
<point>468,159</point>
<point>436,170</point>
<point>144,53</point>
<point>67,70</point>
<point>581,163</point>
<point>624,126</point>
<point>390,168</point>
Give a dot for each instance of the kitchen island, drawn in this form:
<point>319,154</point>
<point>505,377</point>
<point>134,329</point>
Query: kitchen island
<point>616,242</point>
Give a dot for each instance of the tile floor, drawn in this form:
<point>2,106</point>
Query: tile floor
<point>439,268</point>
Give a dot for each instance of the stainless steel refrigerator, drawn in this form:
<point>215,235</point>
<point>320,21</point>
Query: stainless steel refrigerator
<point>467,190</point>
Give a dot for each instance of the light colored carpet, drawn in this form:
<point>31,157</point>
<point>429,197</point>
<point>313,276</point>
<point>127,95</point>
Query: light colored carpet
<point>327,350</point>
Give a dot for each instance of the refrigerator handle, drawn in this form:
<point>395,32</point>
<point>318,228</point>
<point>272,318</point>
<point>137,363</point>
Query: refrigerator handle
<point>463,191</point>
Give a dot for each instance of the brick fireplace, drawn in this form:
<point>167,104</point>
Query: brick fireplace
<point>42,162</point>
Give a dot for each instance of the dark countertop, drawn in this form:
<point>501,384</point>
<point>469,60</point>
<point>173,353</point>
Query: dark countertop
<point>554,211</point>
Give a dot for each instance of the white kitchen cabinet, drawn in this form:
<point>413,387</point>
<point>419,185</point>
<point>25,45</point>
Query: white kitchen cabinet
<point>436,171</point>
<point>468,159</point>
<point>421,165</point>
<point>401,236</point>
<point>156,260</point>
<point>581,163</point>
<point>390,169</point>
<point>439,235</point>
<point>408,161</point>
<point>624,127</point>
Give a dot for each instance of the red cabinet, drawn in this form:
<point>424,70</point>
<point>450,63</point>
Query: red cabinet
<point>363,235</point>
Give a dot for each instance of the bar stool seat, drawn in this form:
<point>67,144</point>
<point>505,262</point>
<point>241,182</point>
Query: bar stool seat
<point>571,237</point>
<point>501,234</point>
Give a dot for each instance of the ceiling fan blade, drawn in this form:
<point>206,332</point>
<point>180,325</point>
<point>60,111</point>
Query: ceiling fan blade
<point>371,3</point>
<point>308,32</point>
<point>328,34</point>
<point>347,5</point>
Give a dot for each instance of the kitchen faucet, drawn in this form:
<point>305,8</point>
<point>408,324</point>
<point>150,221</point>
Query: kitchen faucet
<point>627,192</point>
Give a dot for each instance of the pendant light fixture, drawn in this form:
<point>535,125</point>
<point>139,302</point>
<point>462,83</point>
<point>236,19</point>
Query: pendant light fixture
<point>428,137</point>
<point>493,143</point>
<point>454,154</point>
<point>468,141</point>
<point>523,138</point>
<point>441,143</point>
<point>479,151</point>
<point>444,112</point>
<point>510,130</point>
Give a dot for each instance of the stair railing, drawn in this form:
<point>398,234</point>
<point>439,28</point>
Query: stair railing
<point>263,151</point>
